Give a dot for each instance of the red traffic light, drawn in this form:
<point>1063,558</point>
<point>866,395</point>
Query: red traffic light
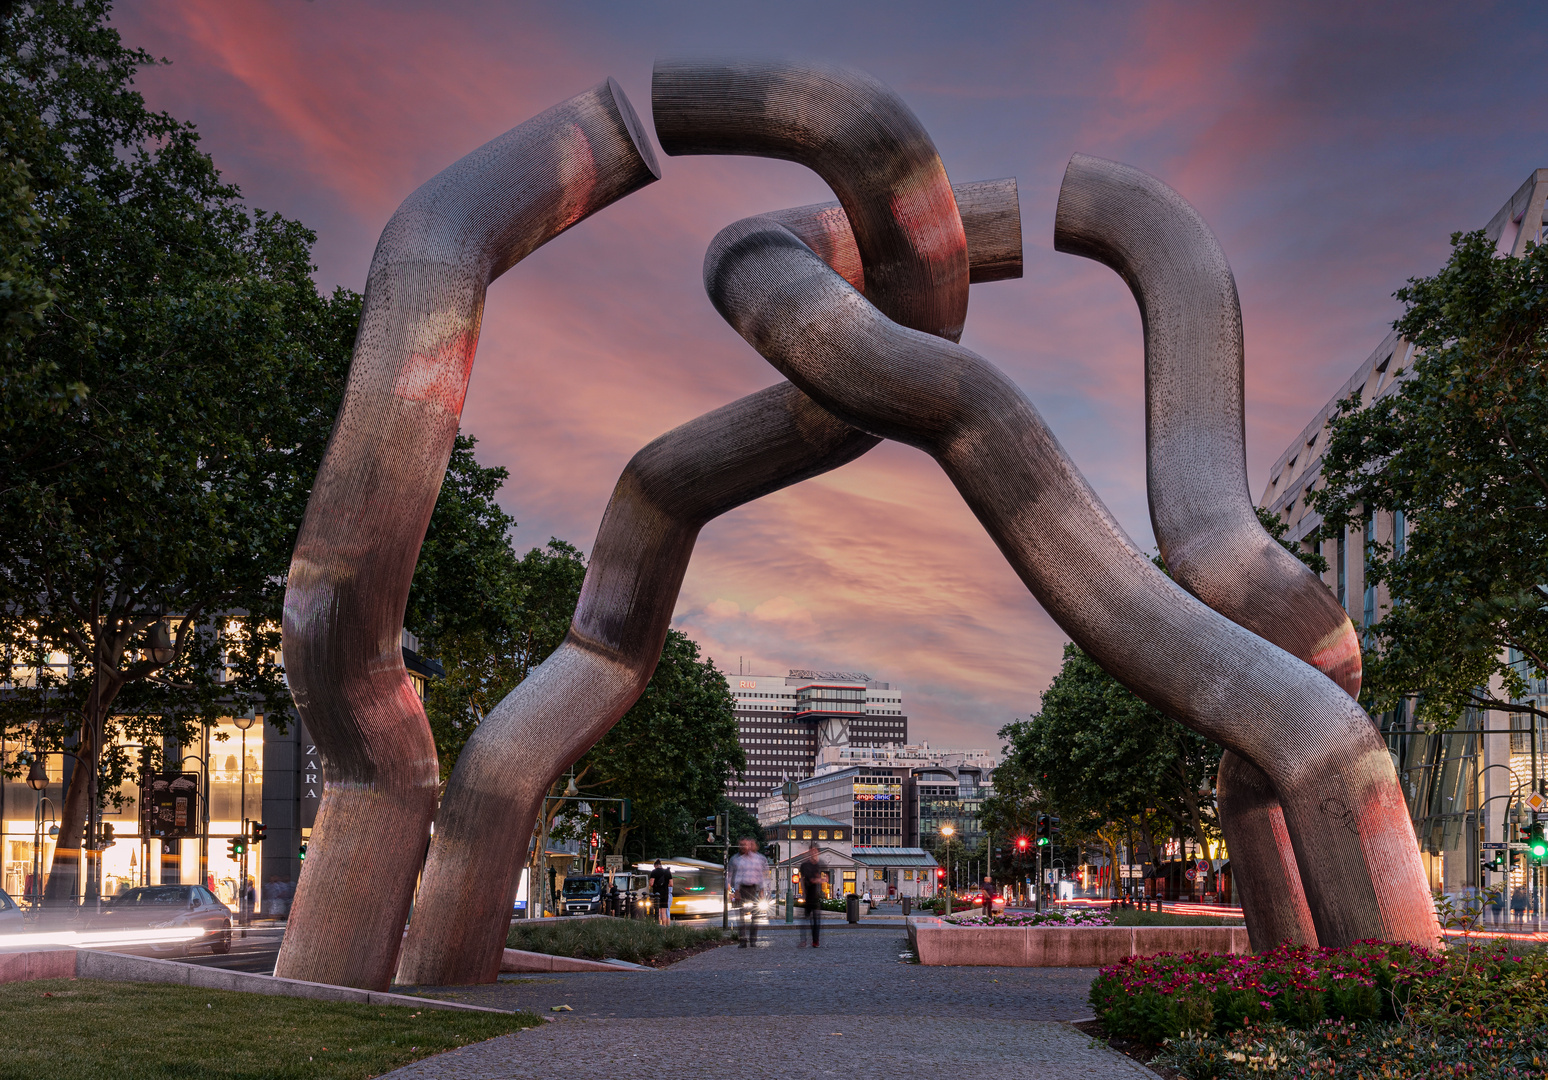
<point>1021,843</point>
<point>940,871</point>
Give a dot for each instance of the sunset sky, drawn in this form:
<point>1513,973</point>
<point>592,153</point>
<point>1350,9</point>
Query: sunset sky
<point>1333,148</point>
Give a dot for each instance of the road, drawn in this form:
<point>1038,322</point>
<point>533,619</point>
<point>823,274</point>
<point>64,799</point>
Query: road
<point>855,1007</point>
<point>254,953</point>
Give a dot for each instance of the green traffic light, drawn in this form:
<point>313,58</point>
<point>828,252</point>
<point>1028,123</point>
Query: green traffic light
<point>1042,841</point>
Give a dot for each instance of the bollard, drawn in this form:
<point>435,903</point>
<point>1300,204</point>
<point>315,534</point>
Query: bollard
<point>908,904</point>
<point>852,908</point>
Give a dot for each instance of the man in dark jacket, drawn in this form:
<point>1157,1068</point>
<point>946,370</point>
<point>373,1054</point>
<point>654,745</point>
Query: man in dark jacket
<point>811,889</point>
<point>661,890</point>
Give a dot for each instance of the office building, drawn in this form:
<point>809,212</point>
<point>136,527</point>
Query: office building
<point>1457,797</point>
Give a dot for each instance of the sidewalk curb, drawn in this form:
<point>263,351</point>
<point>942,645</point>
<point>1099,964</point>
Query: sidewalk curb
<point>67,963</point>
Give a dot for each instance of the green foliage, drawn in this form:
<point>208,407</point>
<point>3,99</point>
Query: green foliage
<point>488,616</point>
<point>1096,754</point>
<point>1460,450</point>
<point>90,1029</point>
<point>634,940</point>
<point>168,388</point>
<point>671,753</point>
<point>1338,1050</point>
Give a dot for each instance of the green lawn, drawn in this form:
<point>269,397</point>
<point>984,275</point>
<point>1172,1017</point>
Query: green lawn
<point>1130,917</point>
<point>634,940</point>
<point>90,1029</point>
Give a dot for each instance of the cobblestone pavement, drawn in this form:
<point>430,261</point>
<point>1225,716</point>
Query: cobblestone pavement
<point>852,1008</point>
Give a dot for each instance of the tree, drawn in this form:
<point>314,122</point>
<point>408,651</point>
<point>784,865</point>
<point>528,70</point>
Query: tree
<point>162,417</point>
<point>486,614</point>
<point>1100,758</point>
<point>1461,451</point>
<point>673,751</point>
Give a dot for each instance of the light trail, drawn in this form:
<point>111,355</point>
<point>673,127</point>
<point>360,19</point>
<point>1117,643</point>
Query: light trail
<point>83,939</point>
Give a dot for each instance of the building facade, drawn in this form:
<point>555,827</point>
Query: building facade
<point>1457,797</point>
<point>789,724</point>
<point>269,772</point>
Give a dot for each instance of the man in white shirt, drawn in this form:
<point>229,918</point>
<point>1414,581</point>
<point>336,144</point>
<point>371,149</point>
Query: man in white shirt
<point>748,878</point>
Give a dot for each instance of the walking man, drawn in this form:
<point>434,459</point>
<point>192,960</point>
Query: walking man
<point>749,876</point>
<point>661,890</point>
<point>811,889</point>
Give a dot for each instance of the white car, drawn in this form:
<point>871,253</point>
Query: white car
<point>10,915</point>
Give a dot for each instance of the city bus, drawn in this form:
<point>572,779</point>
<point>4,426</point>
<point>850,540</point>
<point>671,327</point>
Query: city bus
<point>698,887</point>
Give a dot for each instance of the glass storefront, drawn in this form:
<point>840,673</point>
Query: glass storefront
<point>233,791</point>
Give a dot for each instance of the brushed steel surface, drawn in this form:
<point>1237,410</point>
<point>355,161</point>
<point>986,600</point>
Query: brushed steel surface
<point>1316,745</point>
<point>859,136</point>
<point>1196,473</point>
<point>694,473</point>
<point>371,503</point>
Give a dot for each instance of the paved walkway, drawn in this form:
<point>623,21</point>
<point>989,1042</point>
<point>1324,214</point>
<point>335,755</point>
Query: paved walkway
<point>853,1008</point>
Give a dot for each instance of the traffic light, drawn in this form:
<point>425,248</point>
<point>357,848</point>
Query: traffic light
<point>237,846</point>
<point>720,825</point>
<point>107,835</point>
<point>708,825</point>
<point>1021,844</point>
<point>258,831</point>
<point>302,855</point>
<point>940,873</point>
<point>1043,829</point>
<point>1537,844</point>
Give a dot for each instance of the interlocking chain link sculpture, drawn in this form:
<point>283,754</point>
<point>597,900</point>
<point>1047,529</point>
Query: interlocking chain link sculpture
<point>859,305</point>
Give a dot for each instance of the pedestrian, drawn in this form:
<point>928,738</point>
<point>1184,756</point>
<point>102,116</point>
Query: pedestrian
<point>1518,903</point>
<point>661,892</point>
<point>988,896</point>
<point>249,901</point>
<point>811,889</point>
<point>612,899</point>
<point>749,875</point>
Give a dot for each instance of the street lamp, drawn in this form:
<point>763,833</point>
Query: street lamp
<point>159,644</point>
<point>37,775</point>
<point>243,907</point>
<point>948,831</point>
<point>791,791</point>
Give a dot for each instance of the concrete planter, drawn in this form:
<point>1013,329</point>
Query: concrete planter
<point>937,942</point>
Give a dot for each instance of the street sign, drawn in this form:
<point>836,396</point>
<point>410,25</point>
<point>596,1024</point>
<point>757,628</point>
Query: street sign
<point>614,863</point>
<point>1493,844</point>
<point>1191,874</point>
<point>1535,801</point>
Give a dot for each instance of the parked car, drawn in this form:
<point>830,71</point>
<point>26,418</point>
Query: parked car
<point>583,894</point>
<point>10,915</point>
<point>169,906</point>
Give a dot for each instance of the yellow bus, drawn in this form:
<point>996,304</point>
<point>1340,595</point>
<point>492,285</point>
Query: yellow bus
<point>698,887</point>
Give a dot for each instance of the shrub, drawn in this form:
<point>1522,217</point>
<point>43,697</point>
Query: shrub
<point>634,940</point>
<point>1055,917</point>
<point>1339,1050</point>
<point>1473,988</point>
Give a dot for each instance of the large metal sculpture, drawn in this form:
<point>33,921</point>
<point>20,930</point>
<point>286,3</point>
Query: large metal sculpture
<point>371,503</point>
<point>897,236</point>
<point>1354,849</point>
<point>859,305</point>
<point>1196,475</point>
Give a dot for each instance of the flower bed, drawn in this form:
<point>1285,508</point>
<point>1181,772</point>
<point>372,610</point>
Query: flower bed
<point>1338,1050</point>
<point>1057,917</point>
<point>1152,998</point>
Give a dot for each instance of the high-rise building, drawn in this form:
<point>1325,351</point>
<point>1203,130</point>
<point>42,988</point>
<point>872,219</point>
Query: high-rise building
<point>790,724</point>
<point>1447,777</point>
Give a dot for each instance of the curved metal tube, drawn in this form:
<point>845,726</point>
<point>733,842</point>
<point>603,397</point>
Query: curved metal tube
<point>1196,472</point>
<point>1225,682</point>
<point>685,478</point>
<point>860,137</point>
<point>1263,869</point>
<point>371,503</point>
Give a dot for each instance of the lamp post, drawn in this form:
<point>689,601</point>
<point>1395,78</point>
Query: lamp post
<point>243,723</point>
<point>37,780</point>
<point>948,830</point>
<point>791,791</point>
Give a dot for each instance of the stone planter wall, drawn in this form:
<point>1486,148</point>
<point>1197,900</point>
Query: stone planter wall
<point>937,942</point>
